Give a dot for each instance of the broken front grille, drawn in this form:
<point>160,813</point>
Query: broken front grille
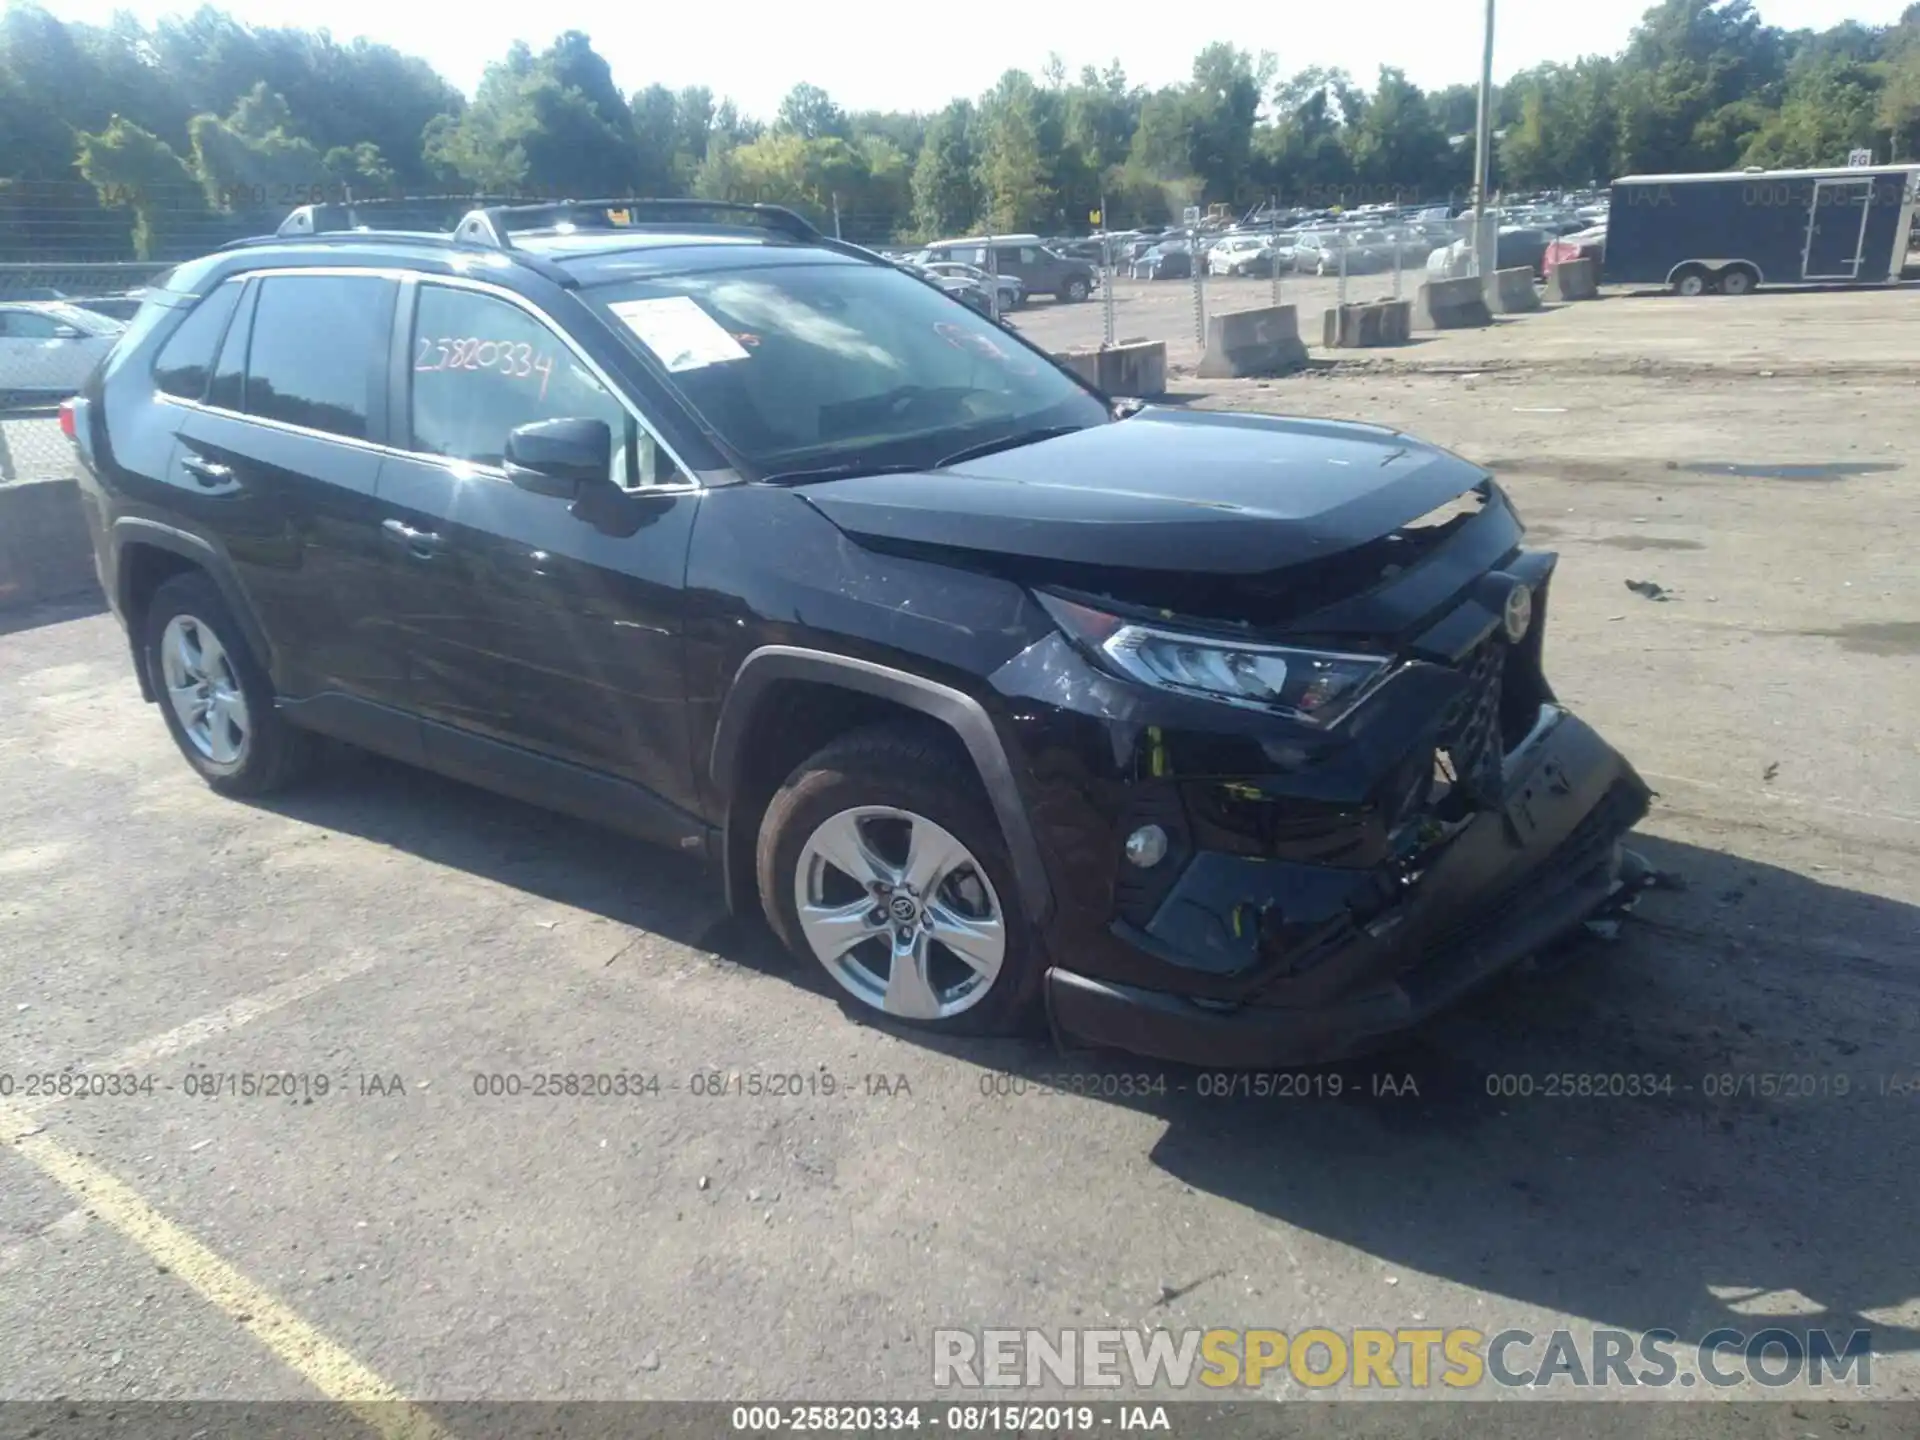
<point>1468,759</point>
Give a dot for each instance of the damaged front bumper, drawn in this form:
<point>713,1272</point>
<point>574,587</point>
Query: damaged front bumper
<point>1341,957</point>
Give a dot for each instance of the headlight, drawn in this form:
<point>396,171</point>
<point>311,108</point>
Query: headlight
<point>1313,685</point>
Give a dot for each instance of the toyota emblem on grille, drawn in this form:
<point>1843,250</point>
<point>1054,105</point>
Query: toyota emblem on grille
<point>1518,613</point>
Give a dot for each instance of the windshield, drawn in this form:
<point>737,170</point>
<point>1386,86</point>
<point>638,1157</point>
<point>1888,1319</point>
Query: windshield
<point>804,366</point>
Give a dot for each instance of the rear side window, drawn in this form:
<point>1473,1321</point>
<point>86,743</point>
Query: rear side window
<point>230,372</point>
<point>318,354</point>
<point>186,359</point>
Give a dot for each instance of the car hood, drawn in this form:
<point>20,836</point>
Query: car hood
<point>1165,490</point>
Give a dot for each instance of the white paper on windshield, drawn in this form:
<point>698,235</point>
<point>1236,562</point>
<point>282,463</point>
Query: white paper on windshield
<point>677,330</point>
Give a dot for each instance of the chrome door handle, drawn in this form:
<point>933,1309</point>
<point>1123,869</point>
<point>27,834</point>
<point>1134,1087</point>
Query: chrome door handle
<point>207,472</point>
<point>421,544</point>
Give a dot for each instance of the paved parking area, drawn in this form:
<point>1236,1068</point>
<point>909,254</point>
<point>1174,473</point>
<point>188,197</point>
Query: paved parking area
<point>397,941</point>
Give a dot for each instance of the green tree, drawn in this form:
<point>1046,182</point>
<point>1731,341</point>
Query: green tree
<point>1014,173</point>
<point>809,112</point>
<point>134,169</point>
<point>946,195</point>
<point>1397,145</point>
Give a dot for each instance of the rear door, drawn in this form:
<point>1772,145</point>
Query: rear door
<point>539,623</point>
<point>1836,229</point>
<point>281,457</point>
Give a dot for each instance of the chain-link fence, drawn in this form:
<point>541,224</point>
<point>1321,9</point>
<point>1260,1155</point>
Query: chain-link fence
<point>32,446</point>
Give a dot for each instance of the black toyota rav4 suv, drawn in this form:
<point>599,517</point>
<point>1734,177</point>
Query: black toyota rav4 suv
<point>1212,736</point>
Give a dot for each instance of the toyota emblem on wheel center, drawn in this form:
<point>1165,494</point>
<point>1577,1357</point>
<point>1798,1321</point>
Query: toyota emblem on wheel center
<point>1518,614</point>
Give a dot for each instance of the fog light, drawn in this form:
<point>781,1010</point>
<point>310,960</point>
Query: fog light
<point>1147,846</point>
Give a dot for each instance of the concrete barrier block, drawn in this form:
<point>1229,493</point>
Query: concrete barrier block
<point>1451,305</point>
<point>1509,292</point>
<point>1354,327</point>
<point>1084,363</point>
<point>1253,342</point>
<point>45,550</point>
<point>1136,369</point>
<point>1573,280</point>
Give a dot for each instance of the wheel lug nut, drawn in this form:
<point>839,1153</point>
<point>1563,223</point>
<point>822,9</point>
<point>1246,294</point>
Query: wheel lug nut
<point>876,917</point>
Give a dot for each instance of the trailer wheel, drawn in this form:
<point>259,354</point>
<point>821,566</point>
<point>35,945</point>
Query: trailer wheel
<point>1690,280</point>
<point>1736,280</point>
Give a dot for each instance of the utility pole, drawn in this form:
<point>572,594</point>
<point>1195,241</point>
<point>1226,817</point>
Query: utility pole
<point>1483,155</point>
<point>1106,267</point>
<point>836,200</point>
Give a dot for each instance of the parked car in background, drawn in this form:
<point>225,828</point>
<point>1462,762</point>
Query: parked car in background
<point>1516,246</point>
<point>121,307</point>
<point>1039,270</point>
<point>970,293</point>
<point>1169,261</point>
<point>1321,252</point>
<point>1012,294</point>
<point>49,347</point>
<point>1239,255</point>
<point>1088,250</point>
<point>1589,244</point>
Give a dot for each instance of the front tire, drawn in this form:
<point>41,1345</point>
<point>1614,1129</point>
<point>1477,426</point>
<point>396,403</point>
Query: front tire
<point>880,860</point>
<point>1692,280</point>
<point>215,698</point>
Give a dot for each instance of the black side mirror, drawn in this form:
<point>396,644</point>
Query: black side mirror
<point>560,457</point>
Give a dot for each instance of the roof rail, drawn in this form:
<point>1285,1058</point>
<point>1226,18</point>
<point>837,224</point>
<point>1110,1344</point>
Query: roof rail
<point>490,225</point>
<point>331,216</point>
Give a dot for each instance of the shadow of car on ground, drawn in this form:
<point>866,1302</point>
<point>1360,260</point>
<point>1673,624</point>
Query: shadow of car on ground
<point>1761,1177</point>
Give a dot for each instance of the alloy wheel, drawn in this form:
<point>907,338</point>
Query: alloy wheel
<point>900,913</point>
<point>204,690</point>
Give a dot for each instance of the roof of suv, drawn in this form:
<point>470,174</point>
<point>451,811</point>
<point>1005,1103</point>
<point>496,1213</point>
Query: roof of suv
<point>560,248</point>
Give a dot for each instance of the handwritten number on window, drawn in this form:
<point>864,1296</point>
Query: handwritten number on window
<point>514,359</point>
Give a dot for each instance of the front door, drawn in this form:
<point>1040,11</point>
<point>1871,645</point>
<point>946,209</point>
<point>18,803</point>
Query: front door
<point>1837,229</point>
<point>547,625</point>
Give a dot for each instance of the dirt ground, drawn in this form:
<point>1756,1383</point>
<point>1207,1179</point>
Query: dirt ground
<point>1752,458</point>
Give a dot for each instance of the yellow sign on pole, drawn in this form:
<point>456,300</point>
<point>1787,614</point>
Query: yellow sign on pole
<point>1093,217</point>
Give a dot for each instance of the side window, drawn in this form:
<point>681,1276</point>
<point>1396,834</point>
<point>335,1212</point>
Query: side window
<point>482,367</point>
<point>187,357</point>
<point>230,371</point>
<point>318,353</point>
<point>1029,255</point>
<point>29,325</point>
<point>1006,256</point>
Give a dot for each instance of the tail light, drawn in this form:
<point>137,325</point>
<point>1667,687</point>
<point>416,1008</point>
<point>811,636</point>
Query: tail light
<point>68,427</point>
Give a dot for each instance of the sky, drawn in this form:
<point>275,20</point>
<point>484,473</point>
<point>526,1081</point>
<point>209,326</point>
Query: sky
<point>885,55</point>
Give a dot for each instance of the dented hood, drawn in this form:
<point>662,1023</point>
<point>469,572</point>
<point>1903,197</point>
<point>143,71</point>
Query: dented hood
<point>1192,491</point>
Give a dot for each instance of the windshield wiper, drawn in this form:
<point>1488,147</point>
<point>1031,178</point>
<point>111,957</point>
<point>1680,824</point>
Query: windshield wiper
<point>845,471</point>
<point>1006,442</point>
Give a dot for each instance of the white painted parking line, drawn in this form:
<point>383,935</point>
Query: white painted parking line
<point>331,1369</point>
<point>198,1031</point>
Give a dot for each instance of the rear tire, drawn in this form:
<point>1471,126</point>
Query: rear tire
<point>1690,280</point>
<point>213,694</point>
<point>1075,292</point>
<point>1736,280</point>
<point>897,808</point>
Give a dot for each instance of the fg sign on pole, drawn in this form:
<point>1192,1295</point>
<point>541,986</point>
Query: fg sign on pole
<point>1859,157</point>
